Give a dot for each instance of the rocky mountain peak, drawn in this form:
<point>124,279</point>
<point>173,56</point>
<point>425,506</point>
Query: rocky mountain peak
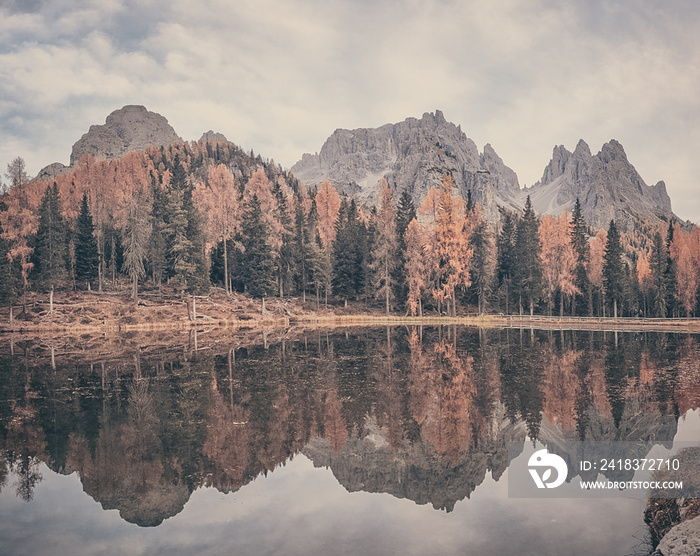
<point>556,166</point>
<point>613,150</point>
<point>582,150</point>
<point>607,184</point>
<point>131,128</point>
<point>213,137</point>
<point>412,155</point>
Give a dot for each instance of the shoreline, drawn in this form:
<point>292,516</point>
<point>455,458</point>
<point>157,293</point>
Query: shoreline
<point>603,324</point>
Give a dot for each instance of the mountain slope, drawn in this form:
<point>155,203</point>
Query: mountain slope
<point>131,128</point>
<point>412,155</point>
<point>608,186</point>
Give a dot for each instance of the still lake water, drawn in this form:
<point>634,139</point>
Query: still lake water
<point>371,441</point>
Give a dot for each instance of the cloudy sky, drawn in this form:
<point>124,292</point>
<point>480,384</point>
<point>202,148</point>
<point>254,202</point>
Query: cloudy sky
<point>279,76</point>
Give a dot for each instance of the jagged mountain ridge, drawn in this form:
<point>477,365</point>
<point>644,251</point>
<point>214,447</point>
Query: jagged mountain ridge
<point>412,155</point>
<point>607,185</point>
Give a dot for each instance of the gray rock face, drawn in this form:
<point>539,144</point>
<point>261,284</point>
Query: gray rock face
<point>607,185</point>
<point>682,540</point>
<point>51,171</point>
<point>412,155</point>
<point>415,471</point>
<point>132,128</point>
<point>213,137</point>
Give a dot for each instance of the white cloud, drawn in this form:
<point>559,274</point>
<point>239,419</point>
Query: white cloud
<point>279,77</point>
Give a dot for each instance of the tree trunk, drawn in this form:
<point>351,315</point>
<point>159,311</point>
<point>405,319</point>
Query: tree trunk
<point>561,306</point>
<point>134,287</point>
<point>226,269</point>
<point>615,307</point>
<point>51,301</point>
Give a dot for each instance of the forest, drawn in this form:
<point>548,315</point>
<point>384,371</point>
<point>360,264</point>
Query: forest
<point>192,216</point>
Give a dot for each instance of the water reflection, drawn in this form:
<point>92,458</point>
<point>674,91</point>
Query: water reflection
<point>424,415</point>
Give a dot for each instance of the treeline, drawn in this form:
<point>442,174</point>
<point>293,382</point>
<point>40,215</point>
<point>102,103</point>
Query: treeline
<point>200,214</point>
<point>221,417</point>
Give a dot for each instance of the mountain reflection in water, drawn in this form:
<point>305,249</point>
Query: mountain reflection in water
<point>420,414</point>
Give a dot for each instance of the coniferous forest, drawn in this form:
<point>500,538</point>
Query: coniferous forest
<point>193,216</point>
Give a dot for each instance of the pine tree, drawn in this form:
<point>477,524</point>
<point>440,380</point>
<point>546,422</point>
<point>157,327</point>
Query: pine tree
<point>10,283</point>
<point>482,264</point>
<point>528,269</point>
<point>579,241</point>
<point>51,247</point>
<point>349,253</point>
<point>285,259</point>
<point>405,212</point>
<point>87,258</point>
<point>613,270</point>
<point>157,250</point>
<point>302,247</point>
<point>505,257</point>
<point>258,267</point>
<point>178,246</point>
<point>136,235</point>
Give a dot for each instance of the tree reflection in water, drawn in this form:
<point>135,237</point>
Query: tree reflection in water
<point>420,414</point>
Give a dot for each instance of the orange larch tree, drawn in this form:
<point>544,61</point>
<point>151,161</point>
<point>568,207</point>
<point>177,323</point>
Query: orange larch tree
<point>558,259</point>
<point>417,268</point>
<point>451,254</point>
<point>221,204</point>
<point>681,251</point>
<point>260,186</point>
<point>327,207</point>
<point>595,265</point>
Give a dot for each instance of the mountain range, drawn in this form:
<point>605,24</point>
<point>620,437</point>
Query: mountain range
<point>414,155</point>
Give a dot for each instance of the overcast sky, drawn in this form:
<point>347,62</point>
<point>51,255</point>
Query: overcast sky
<point>279,76</point>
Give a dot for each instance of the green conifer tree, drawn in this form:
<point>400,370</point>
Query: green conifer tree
<point>613,270</point>
<point>87,258</point>
<point>579,241</point>
<point>405,212</point>
<point>528,269</point>
<point>481,273</point>
<point>51,247</point>
<point>285,260</point>
<point>658,264</point>
<point>344,267</point>
<point>258,263</point>
<point>505,258</point>
<point>178,246</point>
<point>137,233</point>
<point>10,274</point>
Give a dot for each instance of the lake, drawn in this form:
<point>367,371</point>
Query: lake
<point>365,441</point>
